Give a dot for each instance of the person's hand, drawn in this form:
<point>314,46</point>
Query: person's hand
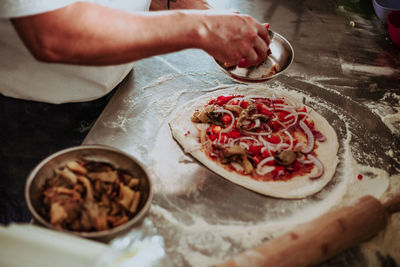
<point>234,39</point>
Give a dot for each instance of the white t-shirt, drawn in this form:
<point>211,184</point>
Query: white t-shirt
<point>22,76</point>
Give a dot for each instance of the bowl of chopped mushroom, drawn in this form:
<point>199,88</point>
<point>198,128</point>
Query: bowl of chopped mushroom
<point>92,191</point>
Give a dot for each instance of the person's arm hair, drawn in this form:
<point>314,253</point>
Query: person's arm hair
<point>179,4</point>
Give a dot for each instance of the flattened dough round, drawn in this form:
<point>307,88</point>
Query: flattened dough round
<point>297,187</point>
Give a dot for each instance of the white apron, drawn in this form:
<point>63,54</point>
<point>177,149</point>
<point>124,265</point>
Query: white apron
<point>22,76</point>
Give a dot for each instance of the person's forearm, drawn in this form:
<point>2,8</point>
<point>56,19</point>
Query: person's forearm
<point>99,35</point>
<point>90,34</point>
<point>180,4</point>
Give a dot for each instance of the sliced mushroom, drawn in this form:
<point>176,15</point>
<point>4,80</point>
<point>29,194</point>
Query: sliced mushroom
<point>72,209</point>
<point>202,115</point>
<point>207,115</point>
<point>126,196</point>
<point>76,167</point>
<point>203,136</point>
<point>115,209</point>
<point>119,220</point>
<point>68,174</point>
<point>234,108</point>
<point>85,221</point>
<point>239,153</point>
<point>101,219</point>
<point>274,69</point>
<point>133,182</point>
<point>57,213</point>
<point>88,186</point>
<point>135,202</point>
<point>245,115</point>
<point>108,177</point>
<point>234,150</point>
<point>105,201</point>
<point>248,167</point>
<point>285,157</point>
<point>261,117</point>
<point>100,199</point>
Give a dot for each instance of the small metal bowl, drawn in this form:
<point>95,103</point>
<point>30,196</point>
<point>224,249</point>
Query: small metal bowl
<point>282,54</point>
<point>384,7</point>
<point>45,170</point>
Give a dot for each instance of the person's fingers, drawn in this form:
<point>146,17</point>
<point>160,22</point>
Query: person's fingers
<point>261,49</point>
<point>262,31</point>
<point>267,39</point>
<point>243,63</point>
<point>260,46</point>
<point>250,59</point>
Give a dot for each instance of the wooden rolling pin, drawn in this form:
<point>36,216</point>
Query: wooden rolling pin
<point>314,242</point>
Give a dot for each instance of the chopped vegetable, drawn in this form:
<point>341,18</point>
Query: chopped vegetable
<point>90,196</point>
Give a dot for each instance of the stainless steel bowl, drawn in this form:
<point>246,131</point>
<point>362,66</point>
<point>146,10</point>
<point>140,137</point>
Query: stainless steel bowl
<point>45,170</point>
<point>282,55</point>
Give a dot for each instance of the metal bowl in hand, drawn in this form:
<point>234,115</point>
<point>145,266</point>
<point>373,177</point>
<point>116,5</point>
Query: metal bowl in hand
<point>275,64</point>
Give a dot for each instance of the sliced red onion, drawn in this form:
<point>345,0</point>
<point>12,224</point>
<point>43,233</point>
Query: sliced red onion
<point>244,145</point>
<point>244,138</point>
<point>230,142</point>
<point>297,113</point>
<point>319,165</point>
<point>264,148</point>
<point>310,137</point>
<point>319,136</point>
<point>298,147</point>
<point>260,170</point>
<point>267,128</point>
<point>255,133</point>
<point>280,173</point>
<point>282,107</point>
<point>281,123</point>
<point>233,99</point>
<point>246,122</point>
<point>250,97</point>
<point>257,123</point>
<point>303,160</point>
<point>291,123</point>
<point>247,98</point>
<point>270,146</point>
<point>282,146</point>
<point>290,139</point>
<point>227,129</point>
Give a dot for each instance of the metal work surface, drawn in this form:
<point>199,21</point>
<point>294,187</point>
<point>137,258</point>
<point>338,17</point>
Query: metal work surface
<point>345,67</point>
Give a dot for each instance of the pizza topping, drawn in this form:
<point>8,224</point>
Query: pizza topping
<point>237,154</point>
<point>230,114</point>
<point>268,137</point>
<point>319,165</point>
<point>89,196</point>
<point>310,137</point>
<point>234,108</point>
<point>207,115</point>
<point>285,157</point>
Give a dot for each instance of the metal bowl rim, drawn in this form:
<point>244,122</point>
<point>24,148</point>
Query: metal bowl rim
<point>99,234</point>
<point>259,80</point>
<point>385,7</point>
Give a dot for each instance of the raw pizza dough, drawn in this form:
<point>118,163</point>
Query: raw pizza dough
<point>296,187</point>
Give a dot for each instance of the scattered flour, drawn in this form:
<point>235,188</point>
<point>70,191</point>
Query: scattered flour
<point>197,242</point>
<point>199,238</point>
